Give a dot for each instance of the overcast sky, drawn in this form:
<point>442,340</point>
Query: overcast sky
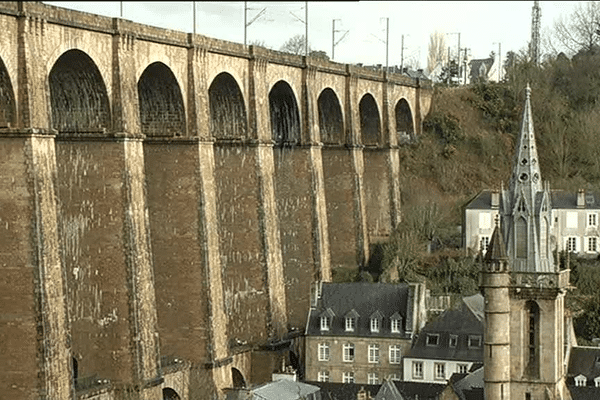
<point>484,26</point>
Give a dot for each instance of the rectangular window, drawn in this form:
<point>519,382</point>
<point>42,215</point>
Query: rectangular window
<point>462,368</point>
<point>572,219</point>
<point>440,370</point>
<point>571,244</point>
<point>373,353</point>
<point>350,324</point>
<point>324,323</point>
<point>348,377</point>
<point>417,370</point>
<point>374,325</point>
<point>484,243</point>
<point>348,352</point>
<point>592,220</point>
<point>453,340</point>
<point>433,339</point>
<point>485,220</point>
<point>323,352</point>
<point>592,243</point>
<point>396,325</point>
<point>394,377</point>
<point>395,354</point>
<point>373,379</point>
<point>323,376</point>
<point>474,341</point>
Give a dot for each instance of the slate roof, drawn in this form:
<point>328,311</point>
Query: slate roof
<point>343,391</point>
<point>464,323</point>
<point>366,299</point>
<point>584,392</point>
<point>476,65</point>
<point>584,360</point>
<point>468,386</point>
<point>560,199</point>
<point>419,390</point>
<point>283,389</point>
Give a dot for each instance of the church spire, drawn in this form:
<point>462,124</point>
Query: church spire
<point>526,177</point>
<point>527,206</point>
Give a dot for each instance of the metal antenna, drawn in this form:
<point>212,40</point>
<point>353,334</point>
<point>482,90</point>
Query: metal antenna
<point>534,45</point>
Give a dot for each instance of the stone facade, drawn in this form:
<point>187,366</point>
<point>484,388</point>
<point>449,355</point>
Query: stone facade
<point>170,196</point>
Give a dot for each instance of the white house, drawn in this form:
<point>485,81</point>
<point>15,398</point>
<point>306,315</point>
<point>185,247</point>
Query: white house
<point>573,226</point>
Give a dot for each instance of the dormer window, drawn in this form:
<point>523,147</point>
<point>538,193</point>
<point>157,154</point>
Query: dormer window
<point>474,341</point>
<point>396,323</point>
<point>376,318</point>
<point>374,325</point>
<point>453,340</point>
<point>350,324</point>
<point>580,380</point>
<point>325,323</point>
<point>433,339</point>
<point>326,319</point>
<point>351,317</point>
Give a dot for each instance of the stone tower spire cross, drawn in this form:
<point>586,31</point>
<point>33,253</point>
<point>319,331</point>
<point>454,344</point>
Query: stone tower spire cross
<point>526,176</point>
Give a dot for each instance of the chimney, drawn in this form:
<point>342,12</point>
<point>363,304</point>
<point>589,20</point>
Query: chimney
<point>581,198</point>
<point>495,199</point>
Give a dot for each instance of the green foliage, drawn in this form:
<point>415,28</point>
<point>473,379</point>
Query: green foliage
<point>445,126</point>
<point>498,104</point>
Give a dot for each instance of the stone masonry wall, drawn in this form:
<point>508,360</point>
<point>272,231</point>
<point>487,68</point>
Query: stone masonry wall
<point>131,233</point>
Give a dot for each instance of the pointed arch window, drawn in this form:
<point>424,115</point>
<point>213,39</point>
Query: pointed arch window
<point>544,238</point>
<point>521,237</point>
<point>533,332</point>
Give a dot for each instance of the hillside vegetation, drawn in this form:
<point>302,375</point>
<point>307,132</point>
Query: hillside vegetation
<point>467,145</point>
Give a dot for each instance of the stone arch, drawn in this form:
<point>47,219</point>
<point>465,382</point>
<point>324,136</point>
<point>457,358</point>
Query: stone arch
<point>237,378</point>
<point>227,109</point>
<point>162,112</point>
<point>405,129</point>
<point>7,98</point>
<point>78,96</point>
<point>331,119</point>
<point>285,115</point>
<point>370,123</point>
<point>170,394</point>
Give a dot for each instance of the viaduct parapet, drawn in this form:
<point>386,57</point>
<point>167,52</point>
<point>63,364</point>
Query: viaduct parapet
<point>167,199</point>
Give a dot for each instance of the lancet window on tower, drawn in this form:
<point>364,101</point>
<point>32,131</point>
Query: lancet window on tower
<point>521,236</point>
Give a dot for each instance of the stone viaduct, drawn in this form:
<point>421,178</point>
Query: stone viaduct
<point>167,199</point>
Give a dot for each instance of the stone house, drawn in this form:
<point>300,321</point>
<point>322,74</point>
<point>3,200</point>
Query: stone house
<point>359,332</point>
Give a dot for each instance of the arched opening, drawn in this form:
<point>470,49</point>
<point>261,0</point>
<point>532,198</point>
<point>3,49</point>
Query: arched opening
<point>521,237</point>
<point>75,370</point>
<point>237,378</point>
<point>227,110</point>
<point>78,96</point>
<point>7,99</point>
<point>331,121</point>
<point>285,117</point>
<point>161,104</point>
<point>170,394</point>
<point>543,238</point>
<point>370,126</point>
<point>532,338</point>
<point>404,122</point>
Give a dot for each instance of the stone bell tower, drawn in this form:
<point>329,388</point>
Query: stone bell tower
<point>524,287</point>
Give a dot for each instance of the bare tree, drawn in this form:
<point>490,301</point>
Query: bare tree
<point>437,52</point>
<point>581,29</point>
<point>294,45</point>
